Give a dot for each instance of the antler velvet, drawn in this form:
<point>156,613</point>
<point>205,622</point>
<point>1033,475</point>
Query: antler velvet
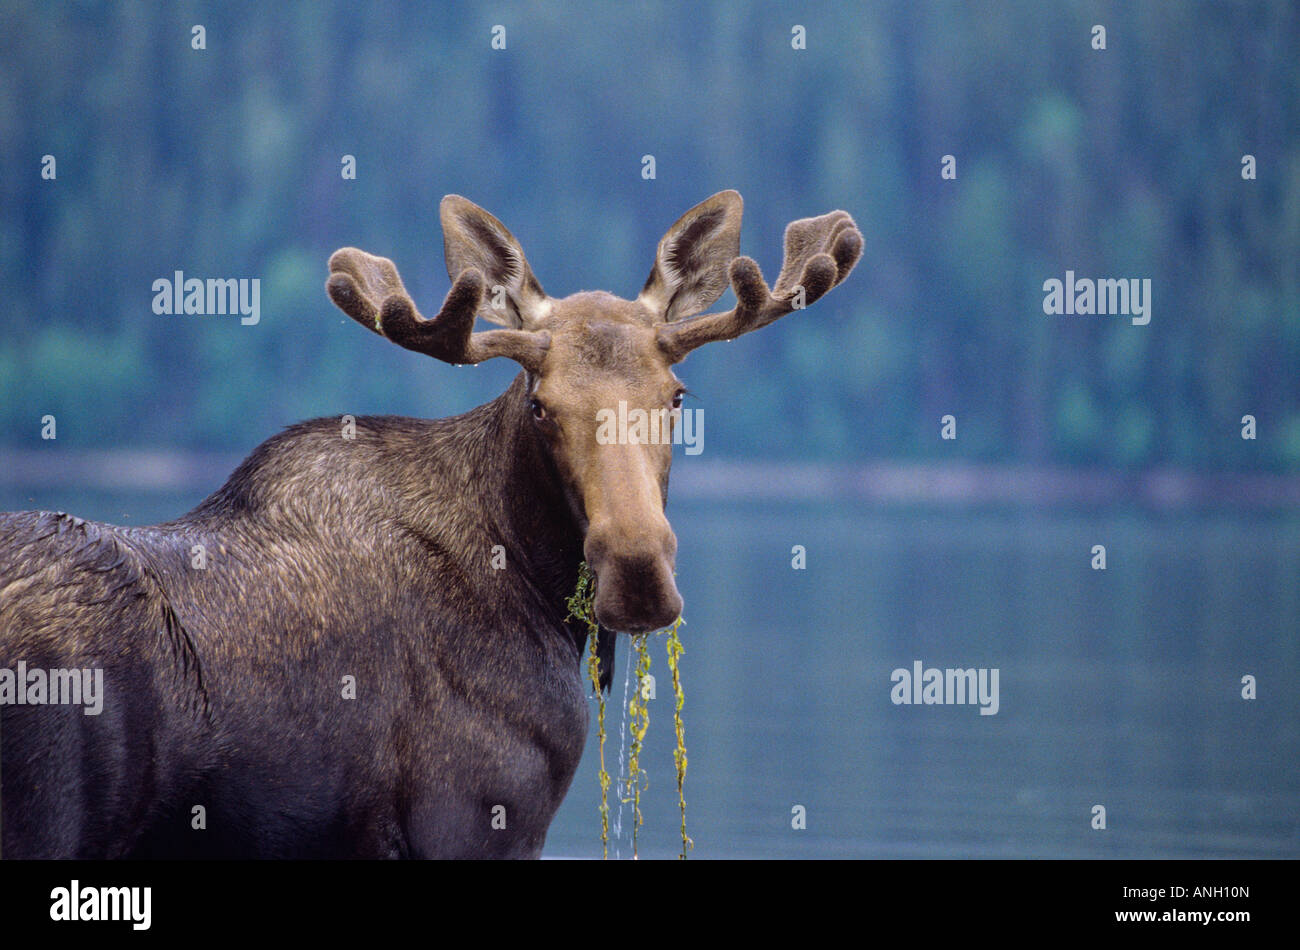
<point>819,253</point>
<point>368,289</point>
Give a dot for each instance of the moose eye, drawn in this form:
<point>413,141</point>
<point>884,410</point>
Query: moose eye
<point>539,411</point>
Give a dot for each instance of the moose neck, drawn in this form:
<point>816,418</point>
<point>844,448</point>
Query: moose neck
<point>523,496</point>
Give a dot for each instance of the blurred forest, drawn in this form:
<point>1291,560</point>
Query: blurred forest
<point>225,162</point>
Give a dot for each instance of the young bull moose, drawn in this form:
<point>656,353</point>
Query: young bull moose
<point>225,636</point>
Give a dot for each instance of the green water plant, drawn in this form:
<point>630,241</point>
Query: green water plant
<point>581,607</point>
<point>675,650</point>
<point>639,718</point>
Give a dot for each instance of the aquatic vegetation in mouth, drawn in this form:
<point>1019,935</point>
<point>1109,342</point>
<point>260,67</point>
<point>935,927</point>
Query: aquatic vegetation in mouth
<point>675,650</point>
<point>581,606</point>
<point>639,713</point>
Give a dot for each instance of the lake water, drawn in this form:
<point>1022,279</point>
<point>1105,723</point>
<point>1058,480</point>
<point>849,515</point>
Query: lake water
<point>1120,688</point>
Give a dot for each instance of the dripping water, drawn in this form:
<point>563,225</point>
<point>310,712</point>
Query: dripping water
<point>622,748</point>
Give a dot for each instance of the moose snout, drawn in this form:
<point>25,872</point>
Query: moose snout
<point>635,588</point>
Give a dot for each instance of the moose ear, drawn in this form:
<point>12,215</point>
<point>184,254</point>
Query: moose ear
<point>473,238</point>
<point>690,270</point>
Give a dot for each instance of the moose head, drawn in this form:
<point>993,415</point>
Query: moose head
<point>592,351</point>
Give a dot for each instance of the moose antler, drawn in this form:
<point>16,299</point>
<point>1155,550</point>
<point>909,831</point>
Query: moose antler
<point>819,253</point>
<point>368,289</point>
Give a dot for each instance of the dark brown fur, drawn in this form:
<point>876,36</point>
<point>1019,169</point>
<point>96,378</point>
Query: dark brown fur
<point>307,583</point>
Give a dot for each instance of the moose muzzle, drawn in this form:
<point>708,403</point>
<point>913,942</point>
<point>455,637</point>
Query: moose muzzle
<point>635,589</point>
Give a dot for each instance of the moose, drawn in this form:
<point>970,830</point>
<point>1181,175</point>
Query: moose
<point>320,660</point>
